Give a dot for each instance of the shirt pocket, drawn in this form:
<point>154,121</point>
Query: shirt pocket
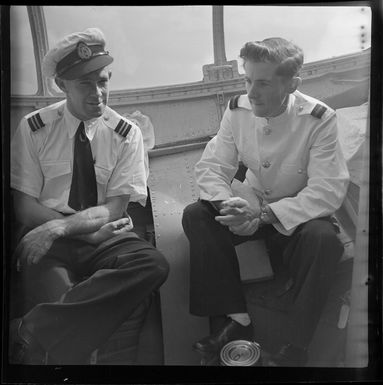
<point>102,174</point>
<point>53,170</point>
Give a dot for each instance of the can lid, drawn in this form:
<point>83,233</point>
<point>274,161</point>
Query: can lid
<point>240,353</point>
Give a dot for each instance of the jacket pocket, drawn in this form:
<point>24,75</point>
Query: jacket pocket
<point>293,169</point>
<point>292,178</point>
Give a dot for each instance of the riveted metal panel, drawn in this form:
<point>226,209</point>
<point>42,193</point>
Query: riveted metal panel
<point>172,185</point>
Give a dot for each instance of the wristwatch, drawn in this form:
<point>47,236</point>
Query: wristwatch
<point>267,216</point>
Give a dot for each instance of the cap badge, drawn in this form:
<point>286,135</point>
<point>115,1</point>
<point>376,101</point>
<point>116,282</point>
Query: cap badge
<point>83,51</point>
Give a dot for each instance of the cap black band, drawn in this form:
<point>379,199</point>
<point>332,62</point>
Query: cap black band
<point>73,58</point>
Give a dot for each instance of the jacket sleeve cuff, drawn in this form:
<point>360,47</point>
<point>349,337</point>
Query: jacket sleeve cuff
<point>284,226</point>
<point>278,226</point>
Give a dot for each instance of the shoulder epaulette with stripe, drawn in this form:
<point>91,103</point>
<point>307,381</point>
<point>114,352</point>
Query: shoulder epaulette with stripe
<point>123,128</point>
<point>318,111</point>
<point>35,122</point>
<point>233,103</point>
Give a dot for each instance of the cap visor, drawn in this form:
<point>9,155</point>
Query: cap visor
<point>87,67</point>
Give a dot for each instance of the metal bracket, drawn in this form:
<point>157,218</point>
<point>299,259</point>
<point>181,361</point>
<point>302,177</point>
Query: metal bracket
<point>221,98</point>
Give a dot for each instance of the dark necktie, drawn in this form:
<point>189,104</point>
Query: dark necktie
<point>83,190</point>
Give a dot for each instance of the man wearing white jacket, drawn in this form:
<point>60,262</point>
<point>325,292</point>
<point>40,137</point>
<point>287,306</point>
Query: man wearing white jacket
<point>288,142</point>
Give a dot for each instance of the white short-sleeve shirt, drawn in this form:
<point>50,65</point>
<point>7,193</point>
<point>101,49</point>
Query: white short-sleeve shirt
<point>42,156</point>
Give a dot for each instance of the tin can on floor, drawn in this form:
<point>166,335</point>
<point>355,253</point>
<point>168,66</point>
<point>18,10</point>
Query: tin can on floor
<point>240,353</point>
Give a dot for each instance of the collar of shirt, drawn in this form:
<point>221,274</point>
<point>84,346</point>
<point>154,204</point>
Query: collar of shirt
<point>245,103</point>
<point>282,117</point>
<point>71,123</point>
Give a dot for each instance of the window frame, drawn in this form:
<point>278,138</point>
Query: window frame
<point>45,86</point>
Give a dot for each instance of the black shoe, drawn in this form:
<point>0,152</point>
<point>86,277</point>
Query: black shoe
<point>23,348</point>
<point>289,355</point>
<point>231,330</point>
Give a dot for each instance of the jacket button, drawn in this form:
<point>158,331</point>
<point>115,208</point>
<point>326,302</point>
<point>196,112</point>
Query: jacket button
<point>267,192</point>
<point>106,117</point>
<point>300,171</point>
<point>267,130</point>
<point>300,108</point>
<point>266,164</point>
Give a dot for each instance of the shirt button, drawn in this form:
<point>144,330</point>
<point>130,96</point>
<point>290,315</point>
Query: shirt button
<point>266,164</point>
<point>267,130</point>
<point>300,171</point>
<point>267,192</point>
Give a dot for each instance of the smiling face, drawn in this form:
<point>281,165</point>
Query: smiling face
<point>267,91</point>
<point>87,96</point>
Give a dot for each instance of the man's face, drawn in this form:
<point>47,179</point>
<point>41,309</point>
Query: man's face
<point>87,96</point>
<point>266,91</point>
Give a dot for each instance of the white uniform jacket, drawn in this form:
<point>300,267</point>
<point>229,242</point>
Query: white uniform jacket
<point>42,156</point>
<point>294,160</point>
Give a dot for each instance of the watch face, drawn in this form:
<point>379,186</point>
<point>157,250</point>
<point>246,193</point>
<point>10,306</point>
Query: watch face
<point>264,217</point>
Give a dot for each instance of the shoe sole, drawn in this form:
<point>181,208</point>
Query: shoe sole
<point>200,351</point>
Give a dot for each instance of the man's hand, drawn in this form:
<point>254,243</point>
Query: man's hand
<point>247,228</point>
<point>36,243</point>
<point>111,229</point>
<point>236,211</point>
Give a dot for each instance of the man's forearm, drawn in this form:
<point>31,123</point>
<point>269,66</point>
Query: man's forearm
<point>31,213</point>
<point>89,238</point>
<point>39,214</point>
<point>90,220</point>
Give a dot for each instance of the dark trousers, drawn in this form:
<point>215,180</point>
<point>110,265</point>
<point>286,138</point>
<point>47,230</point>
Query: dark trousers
<point>84,293</point>
<point>310,256</point>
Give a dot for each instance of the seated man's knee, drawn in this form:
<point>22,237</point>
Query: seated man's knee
<point>159,265</point>
<point>319,228</point>
<point>321,233</point>
<point>195,212</point>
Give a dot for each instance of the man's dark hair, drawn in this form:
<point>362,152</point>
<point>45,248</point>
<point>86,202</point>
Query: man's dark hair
<point>275,50</point>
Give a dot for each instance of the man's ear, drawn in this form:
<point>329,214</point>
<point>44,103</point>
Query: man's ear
<point>293,84</point>
<point>110,74</point>
<point>60,84</point>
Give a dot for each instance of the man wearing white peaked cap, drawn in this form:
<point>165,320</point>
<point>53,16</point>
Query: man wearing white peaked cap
<point>75,166</point>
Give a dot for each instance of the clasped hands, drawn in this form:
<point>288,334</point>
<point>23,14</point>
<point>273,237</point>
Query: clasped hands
<point>239,216</point>
<point>36,243</point>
